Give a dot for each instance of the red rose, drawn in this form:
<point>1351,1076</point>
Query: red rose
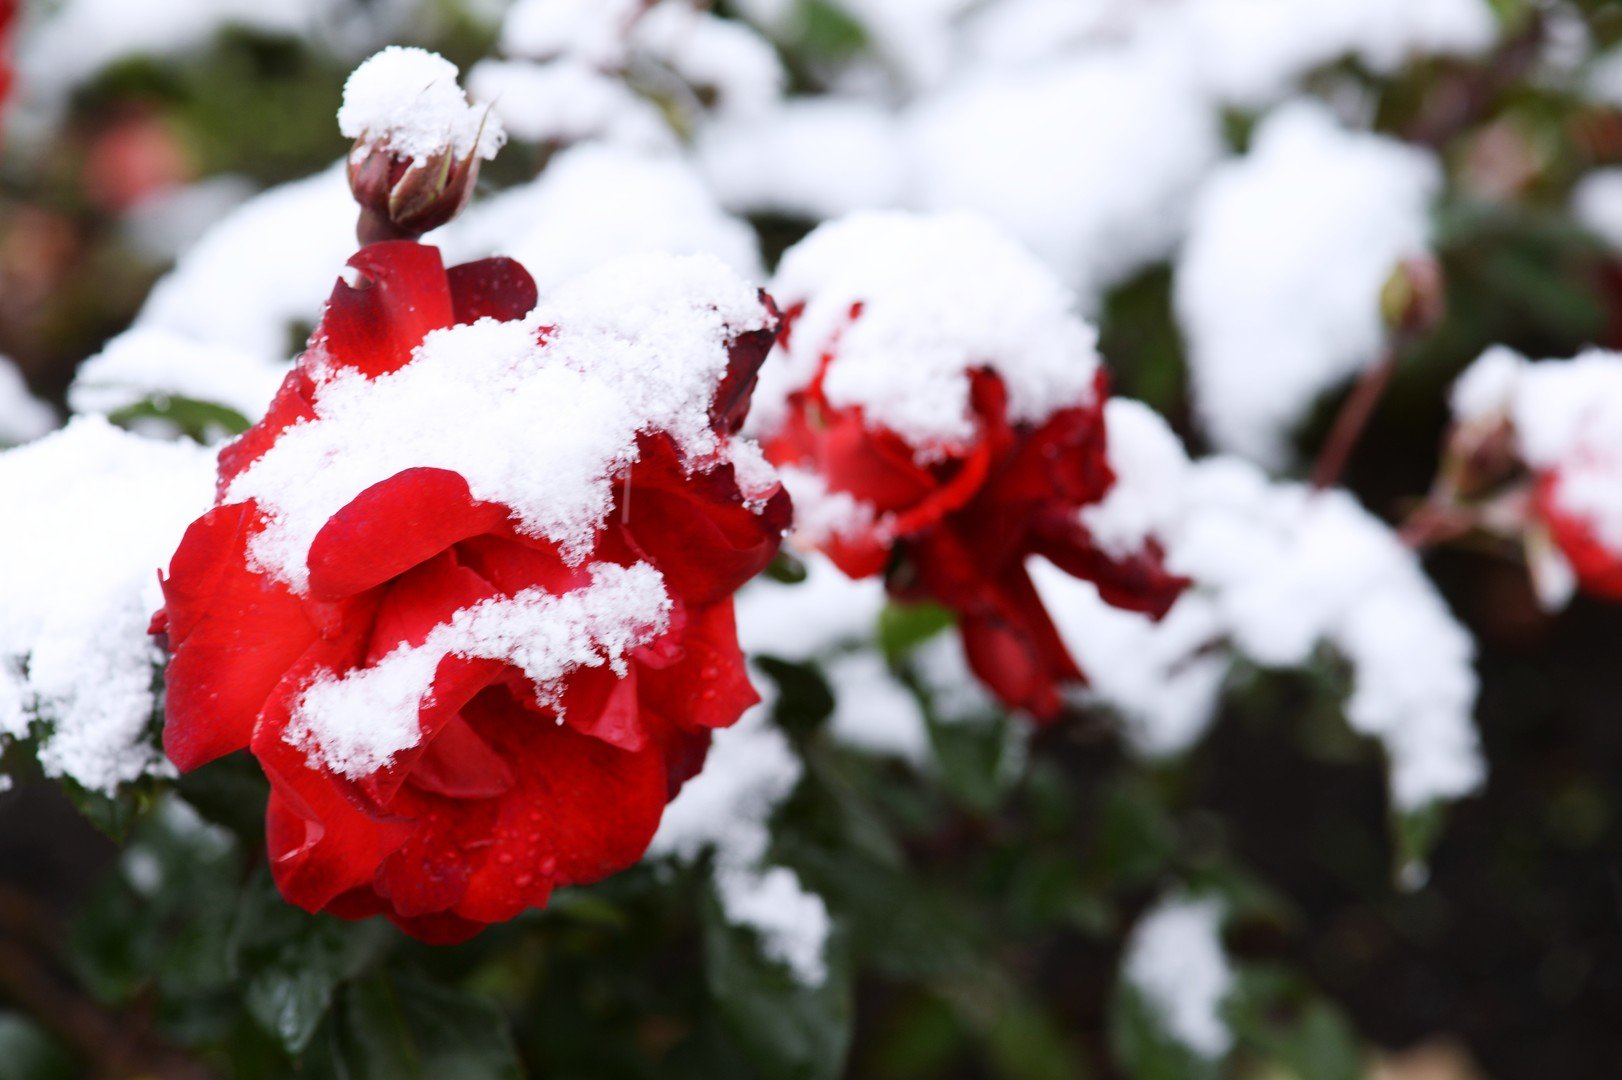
<point>950,518</point>
<point>1596,564</point>
<point>458,712</point>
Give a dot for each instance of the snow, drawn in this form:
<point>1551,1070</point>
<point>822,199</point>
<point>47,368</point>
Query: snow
<point>1596,202</point>
<point>593,31</point>
<point>167,223</point>
<point>801,622</point>
<point>1089,162</point>
<point>873,711</point>
<point>22,416</point>
<point>1485,391</point>
<point>566,101</point>
<point>262,271</point>
<point>104,510</point>
<point>726,58</point>
<point>154,364</point>
<point>1254,52</point>
<point>407,101</point>
<point>940,296</point>
<point>80,37</point>
<point>1567,421</point>
<point>1175,960</point>
<point>832,621</point>
<point>727,809</point>
<point>1278,570</point>
<point>811,158</point>
<point>356,722</point>
<point>595,203</point>
<point>1278,287</point>
<point>542,427</point>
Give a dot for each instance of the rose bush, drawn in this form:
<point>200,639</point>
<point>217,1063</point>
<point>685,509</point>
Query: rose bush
<point>532,761</point>
<point>953,516</point>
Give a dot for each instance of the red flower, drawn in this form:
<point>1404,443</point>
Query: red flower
<point>1596,565</point>
<point>8,19</point>
<point>529,763</point>
<point>957,524</point>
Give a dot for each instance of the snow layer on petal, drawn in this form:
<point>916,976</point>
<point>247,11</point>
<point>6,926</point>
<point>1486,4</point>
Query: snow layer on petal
<point>104,509</point>
<point>356,722</point>
<point>1278,287</point>
<point>540,415</point>
<point>1175,960</point>
<point>940,296</point>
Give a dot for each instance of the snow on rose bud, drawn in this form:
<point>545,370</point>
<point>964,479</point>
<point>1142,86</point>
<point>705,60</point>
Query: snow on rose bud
<point>418,143</point>
<point>466,594</point>
<point>937,411</point>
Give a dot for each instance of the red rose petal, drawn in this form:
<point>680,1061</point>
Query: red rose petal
<point>394,525</point>
<point>709,687</point>
<point>233,634</point>
<point>579,811</point>
<point>498,288</point>
<point>402,295</point>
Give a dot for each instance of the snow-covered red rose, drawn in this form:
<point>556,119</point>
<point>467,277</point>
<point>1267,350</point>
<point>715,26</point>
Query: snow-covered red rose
<point>936,408</point>
<point>1560,421</point>
<point>466,593</point>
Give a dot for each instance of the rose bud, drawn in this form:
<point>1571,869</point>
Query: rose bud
<point>418,143</point>
<point>1413,300</point>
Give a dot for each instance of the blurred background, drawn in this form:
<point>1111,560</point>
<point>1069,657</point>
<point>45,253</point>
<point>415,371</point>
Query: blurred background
<point>982,906</point>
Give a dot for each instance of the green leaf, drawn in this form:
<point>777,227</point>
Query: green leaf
<point>974,759</point>
<point>804,701</point>
<point>786,569</point>
<point>903,627</point>
<point>1024,1044</point>
<point>200,420</point>
<point>1136,838</point>
<point>402,1028</point>
<point>293,962</point>
<point>1281,1018</point>
<point>828,32</point>
<point>788,1030</point>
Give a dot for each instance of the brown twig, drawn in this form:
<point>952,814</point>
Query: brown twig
<point>1353,419</point>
